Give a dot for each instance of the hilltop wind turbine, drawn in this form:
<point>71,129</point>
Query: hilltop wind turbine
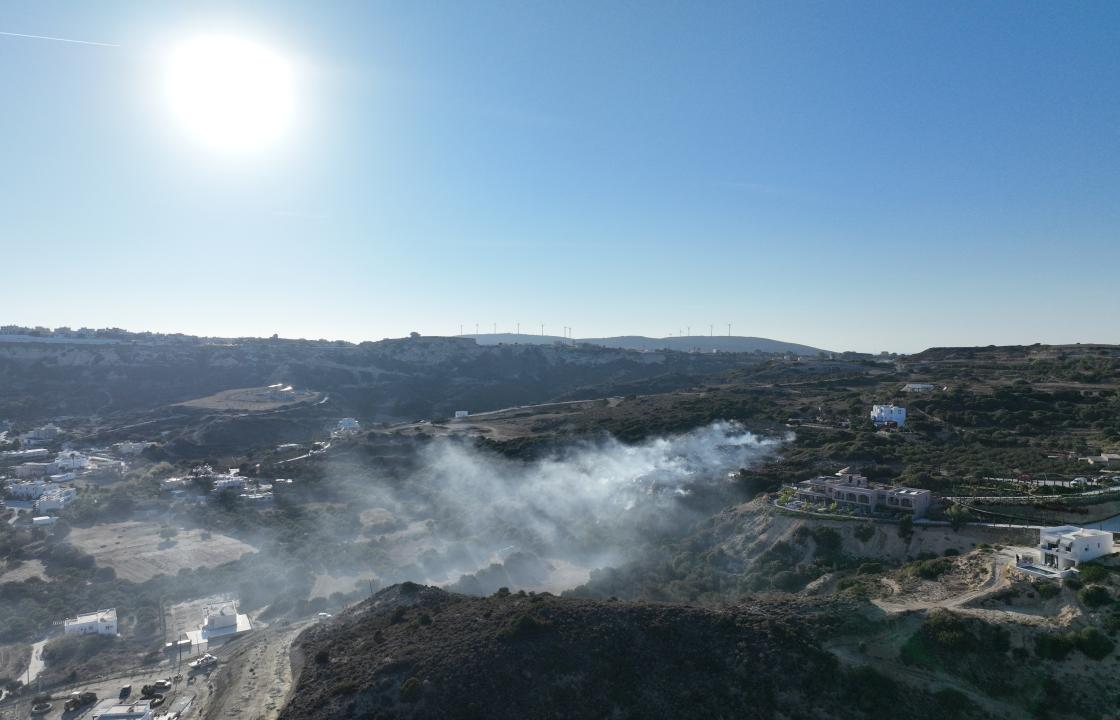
<point>728,329</point>
<point>711,330</point>
<point>518,328</point>
<point>476,328</point>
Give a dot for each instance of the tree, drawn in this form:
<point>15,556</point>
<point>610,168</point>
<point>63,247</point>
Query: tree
<point>906,528</point>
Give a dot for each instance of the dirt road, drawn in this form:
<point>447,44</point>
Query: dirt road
<point>253,680</point>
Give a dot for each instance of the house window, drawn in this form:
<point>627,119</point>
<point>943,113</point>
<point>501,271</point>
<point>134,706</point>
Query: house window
<point>907,503</point>
<point>865,500</point>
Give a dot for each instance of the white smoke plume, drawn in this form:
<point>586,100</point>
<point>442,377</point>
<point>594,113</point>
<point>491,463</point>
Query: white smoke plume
<point>544,524</point>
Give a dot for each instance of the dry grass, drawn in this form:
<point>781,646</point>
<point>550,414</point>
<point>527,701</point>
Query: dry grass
<point>136,552</point>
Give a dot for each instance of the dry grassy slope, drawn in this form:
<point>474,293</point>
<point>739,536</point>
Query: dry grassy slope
<point>746,531</point>
<point>413,652</point>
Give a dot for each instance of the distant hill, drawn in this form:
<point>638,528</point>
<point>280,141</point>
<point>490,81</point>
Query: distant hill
<point>692,343</point>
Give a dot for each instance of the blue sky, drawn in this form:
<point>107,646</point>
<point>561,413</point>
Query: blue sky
<point>868,176</point>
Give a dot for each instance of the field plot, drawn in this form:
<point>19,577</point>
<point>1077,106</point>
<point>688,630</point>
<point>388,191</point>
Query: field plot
<point>137,553</point>
<point>27,569</point>
<point>250,399</point>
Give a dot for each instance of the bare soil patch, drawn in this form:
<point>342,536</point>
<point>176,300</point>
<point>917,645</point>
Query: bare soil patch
<point>137,553</point>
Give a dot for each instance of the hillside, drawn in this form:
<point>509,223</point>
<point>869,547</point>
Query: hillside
<point>418,652</point>
<point>693,343</point>
<point>383,381</point>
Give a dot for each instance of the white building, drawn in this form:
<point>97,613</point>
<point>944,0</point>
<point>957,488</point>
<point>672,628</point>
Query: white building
<point>228,482</point>
<point>29,454</point>
<point>1065,546</point>
<point>346,426</point>
<point>33,469</point>
<point>885,414</point>
<point>102,622</point>
<point>118,710</point>
<point>31,490</point>
<point>857,494</point>
<point>40,436</point>
<point>69,460</point>
<point>461,414</point>
<point>56,499</point>
<point>220,622</point>
<point>918,388</point>
<point>43,521</point>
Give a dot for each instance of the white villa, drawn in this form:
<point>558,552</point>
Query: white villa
<point>918,388</point>
<point>855,493</point>
<point>886,414</point>
<point>1065,546</point>
<point>102,622</point>
<point>69,460</point>
<point>220,621</point>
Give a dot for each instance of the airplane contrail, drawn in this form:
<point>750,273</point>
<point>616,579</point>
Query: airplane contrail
<point>58,39</point>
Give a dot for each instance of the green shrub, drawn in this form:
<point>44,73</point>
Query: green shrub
<point>929,569</point>
<point>410,690</point>
<point>1093,643</point>
<point>1092,573</point>
<point>1046,590</point>
<point>870,568</point>
<point>864,532</point>
<point>1053,646</point>
<point>787,580</point>
<point>1095,596</point>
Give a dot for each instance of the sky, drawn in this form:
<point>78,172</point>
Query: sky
<point>849,175</point>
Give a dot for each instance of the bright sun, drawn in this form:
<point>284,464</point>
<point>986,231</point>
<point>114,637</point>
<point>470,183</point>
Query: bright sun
<point>230,94</point>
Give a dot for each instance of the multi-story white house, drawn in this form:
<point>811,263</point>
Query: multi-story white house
<point>887,414</point>
<point>1065,546</point>
<point>56,499</point>
<point>102,622</point>
<point>31,490</point>
<point>855,493</point>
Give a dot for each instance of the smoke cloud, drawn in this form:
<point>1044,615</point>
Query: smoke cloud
<point>475,521</point>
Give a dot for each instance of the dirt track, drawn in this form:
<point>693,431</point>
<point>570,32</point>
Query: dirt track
<point>253,678</point>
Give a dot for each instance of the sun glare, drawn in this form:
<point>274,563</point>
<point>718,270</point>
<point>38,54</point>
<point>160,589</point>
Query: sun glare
<point>230,94</point>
